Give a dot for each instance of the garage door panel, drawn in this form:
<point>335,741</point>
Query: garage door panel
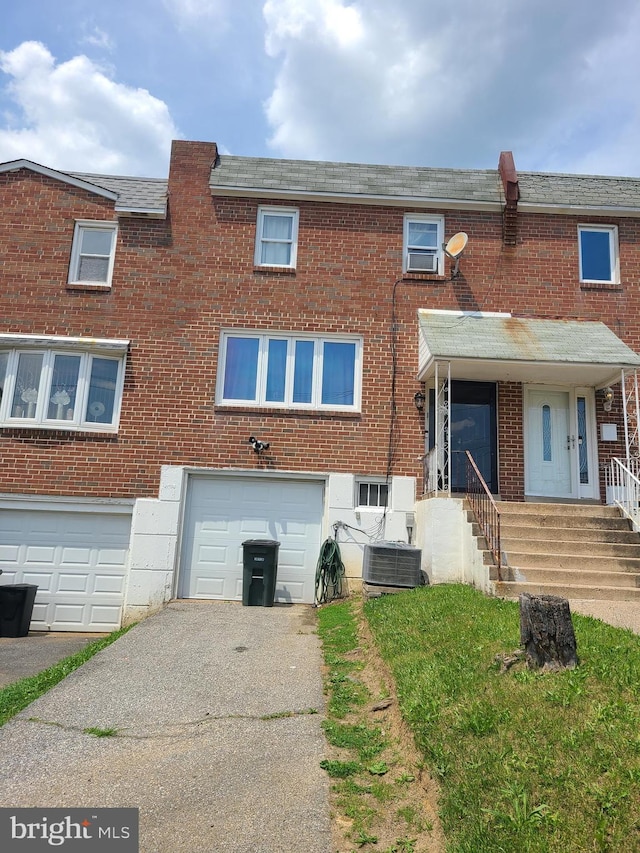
<point>109,584</point>
<point>290,512</point>
<point>75,556</point>
<point>39,554</point>
<point>77,559</point>
<point>77,582</point>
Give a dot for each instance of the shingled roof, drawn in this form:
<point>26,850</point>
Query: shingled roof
<point>354,181</point>
<point>142,195</point>
<point>480,188</point>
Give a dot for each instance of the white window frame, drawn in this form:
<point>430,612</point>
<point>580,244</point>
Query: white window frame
<point>369,482</point>
<point>49,348</point>
<point>288,403</point>
<point>81,226</point>
<point>406,247</point>
<point>612,231</point>
<point>263,212</point>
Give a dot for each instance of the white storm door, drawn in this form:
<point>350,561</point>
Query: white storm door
<point>548,450</point>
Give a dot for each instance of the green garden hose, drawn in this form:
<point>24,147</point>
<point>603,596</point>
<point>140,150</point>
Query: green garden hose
<point>329,573</point>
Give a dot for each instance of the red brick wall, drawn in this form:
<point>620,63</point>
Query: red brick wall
<point>178,282</point>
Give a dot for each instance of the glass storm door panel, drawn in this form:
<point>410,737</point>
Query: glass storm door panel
<point>548,446</point>
<point>472,428</point>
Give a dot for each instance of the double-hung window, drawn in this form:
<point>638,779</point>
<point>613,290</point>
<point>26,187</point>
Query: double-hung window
<point>598,248</point>
<point>293,371</point>
<point>276,237</point>
<point>52,383</point>
<point>93,253</point>
<point>423,238</point>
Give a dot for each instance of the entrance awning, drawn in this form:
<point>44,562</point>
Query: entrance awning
<point>499,347</point>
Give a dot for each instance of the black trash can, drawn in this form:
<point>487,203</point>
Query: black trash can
<point>16,609</point>
<point>260,566</point>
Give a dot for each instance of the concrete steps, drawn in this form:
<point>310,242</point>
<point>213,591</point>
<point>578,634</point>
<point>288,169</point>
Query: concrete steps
<point>571,550</point>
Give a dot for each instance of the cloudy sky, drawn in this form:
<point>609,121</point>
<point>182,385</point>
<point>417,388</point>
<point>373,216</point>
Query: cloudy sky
<point>104,87</point>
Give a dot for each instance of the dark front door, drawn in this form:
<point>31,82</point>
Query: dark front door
<point>473,428</point>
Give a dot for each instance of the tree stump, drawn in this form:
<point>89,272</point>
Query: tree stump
<point>546,632</point>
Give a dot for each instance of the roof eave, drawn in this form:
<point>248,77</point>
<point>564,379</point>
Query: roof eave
<point>579,209</point>
<point>355,198</point>
<point>14,165</point>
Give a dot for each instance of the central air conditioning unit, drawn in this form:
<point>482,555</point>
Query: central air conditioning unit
<point>422,262</point>
<point>392,564</point>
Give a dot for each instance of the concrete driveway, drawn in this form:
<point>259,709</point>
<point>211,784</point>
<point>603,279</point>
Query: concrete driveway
<point>217,713</point>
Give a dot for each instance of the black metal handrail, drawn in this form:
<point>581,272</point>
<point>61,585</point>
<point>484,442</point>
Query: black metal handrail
<point>485,510</point>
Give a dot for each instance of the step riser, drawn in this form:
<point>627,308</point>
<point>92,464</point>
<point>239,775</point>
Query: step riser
<point>513,590</point>
<point>571,561</point>
<point>573,577</point>
<point>592,522</point>
<point>569,534</point>
<point>588,549</point>
<point>552,510</point>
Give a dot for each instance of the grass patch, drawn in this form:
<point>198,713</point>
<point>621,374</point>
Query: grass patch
<point>97,732</point>
<point>15,697</point>
<point>526,761</point>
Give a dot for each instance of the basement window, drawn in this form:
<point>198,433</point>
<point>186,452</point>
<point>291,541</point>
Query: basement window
<point>372,493</point>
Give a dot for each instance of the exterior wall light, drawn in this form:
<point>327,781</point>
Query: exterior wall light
<point>419,400</point>
<point>607,396</point>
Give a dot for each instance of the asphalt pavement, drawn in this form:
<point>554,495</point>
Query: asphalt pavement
<point>212,714</point>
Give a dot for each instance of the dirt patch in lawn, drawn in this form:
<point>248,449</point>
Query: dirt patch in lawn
<point>386,801</point>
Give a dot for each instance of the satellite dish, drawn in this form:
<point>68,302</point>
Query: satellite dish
<point>456,245</point>
<point>454,248</point>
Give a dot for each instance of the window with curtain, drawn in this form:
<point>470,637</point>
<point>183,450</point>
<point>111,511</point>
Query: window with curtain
<point>289,370</point>
<point>276,237</point>
<point>60,390</point>
<point>93,253</point>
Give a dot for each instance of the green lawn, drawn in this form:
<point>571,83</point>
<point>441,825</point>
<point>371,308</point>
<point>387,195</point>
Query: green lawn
<point>527,762</point>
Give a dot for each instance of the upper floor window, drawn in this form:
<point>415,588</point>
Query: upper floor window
<point>423,238</point>
<point>93,253</point>
<point>276,237</point>
<point>598,246</point>
<point>294,371</point>
<point>60,388</point>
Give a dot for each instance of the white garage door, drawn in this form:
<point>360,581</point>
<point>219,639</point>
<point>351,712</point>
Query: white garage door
<point>76,559</point>
<point>224,512</point>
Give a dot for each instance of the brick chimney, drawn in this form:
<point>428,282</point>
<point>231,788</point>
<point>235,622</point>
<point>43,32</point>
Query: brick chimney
<point>189,171</point>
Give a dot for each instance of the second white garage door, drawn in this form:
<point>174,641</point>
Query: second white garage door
<point>223,512</point>
<point>78,561</point>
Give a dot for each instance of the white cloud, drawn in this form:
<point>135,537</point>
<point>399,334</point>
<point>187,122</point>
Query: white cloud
<point>452,82</point>
<point>73,116</point>
<point>98,38</point>
<point>194,13</point>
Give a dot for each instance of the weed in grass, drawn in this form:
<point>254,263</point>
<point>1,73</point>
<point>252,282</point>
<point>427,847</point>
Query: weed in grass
<point>405,778</point>
<point>363,838</point>
<point>367,741</point>
<point>98,732</point>
<point>403,845</point>
<point>340,769</point>
<point>378,768</point>
<point>414,820</point>
<point>517,813</point>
